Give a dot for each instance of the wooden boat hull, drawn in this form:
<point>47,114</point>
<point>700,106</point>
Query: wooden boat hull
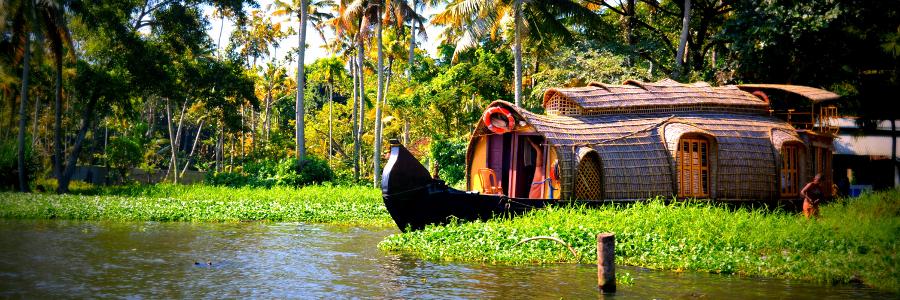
<point>415,200</point>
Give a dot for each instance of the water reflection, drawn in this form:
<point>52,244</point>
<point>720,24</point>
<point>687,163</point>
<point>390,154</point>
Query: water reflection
<point>157,260</point>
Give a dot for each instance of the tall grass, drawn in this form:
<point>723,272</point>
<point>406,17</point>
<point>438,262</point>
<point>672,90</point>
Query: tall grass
<point>854,241</point>
<point>352,205</point>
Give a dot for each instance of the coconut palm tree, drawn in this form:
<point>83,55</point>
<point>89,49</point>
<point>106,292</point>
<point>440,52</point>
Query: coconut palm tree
<point>376,13</point>
<point>468,21</point>
<point>44,20</point>
<point>302,9</point>
<point>346,27</point>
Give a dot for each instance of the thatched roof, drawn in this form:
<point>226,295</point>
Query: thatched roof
<point>813,94</point>
<point>637,95</point>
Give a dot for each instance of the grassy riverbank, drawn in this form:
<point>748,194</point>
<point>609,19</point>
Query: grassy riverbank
<point>854,241</point>
<point>351,205</point>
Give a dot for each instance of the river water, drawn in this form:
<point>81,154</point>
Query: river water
<point>75,259</point>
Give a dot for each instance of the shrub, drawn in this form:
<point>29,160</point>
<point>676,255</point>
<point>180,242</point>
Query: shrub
<point>123,154</point>
<point>269,173</point>
<point>9,163</point>
<point>450,155</point>
<point>228,179</point>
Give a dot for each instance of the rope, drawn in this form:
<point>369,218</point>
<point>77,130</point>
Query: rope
<point>543,237</point>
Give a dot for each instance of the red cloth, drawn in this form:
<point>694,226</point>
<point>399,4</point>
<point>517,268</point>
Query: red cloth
<point>537,184</point>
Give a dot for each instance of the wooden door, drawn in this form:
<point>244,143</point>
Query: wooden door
<point>693,167</point>
<point>790,171</point>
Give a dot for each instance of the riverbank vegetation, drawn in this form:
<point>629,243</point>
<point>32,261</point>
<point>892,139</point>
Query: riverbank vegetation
<point>172,86</point>
<point>350,205</point>
<point>855,240</point>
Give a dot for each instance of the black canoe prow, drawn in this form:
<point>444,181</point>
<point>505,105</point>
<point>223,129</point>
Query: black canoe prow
<point>414,199</point>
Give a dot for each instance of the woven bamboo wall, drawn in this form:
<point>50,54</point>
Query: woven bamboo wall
<point>638,161</point>
<point>559,105</point>
<point>588,183</point>
<point>747,160</point>
<point>635,162</point>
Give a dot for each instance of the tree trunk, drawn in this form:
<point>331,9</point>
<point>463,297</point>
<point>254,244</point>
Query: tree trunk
<point>57,126</point>
<point>194,147</point>
<point>34,123</point>
<point>219,41</point>
<point>301,83</point>
<point>242,134</point>
<point>172,161</point>
<point>220,147</point>
<point>682,42</point>
<point>376,156</point>
<point>630,24</point>
<point>362,104</point>
<point>23,116</point>
<point>355,117</point>
<point>180,123</point>
<point>330,118</point>
<point>412,42</point>
<point>150,116</point>
<point>69,168</point>
<point>406,131</point>
<point>268,112</point>
<point>252,130</point>
<point>517,51</point>
<point>387,80</point>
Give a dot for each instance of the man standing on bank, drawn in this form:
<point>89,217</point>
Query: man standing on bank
<point>812,194</point>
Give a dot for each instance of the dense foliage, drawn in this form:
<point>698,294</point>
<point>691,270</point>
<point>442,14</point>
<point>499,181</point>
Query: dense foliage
<point>689,236</point>
<point>450,156</point>
<point>113,74</point>
<point>268,173</point>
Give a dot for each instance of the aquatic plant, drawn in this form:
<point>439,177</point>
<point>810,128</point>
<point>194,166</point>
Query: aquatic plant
<point>854,241</point>
<point>352,205</point>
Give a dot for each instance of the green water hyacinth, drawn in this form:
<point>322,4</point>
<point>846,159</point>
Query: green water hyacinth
<point>350,205</point>
<point>854,241</point>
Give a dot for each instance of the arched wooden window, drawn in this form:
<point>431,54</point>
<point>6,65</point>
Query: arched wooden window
<point>693,167</point>
<point>790,170</point>
<point>588,178</point>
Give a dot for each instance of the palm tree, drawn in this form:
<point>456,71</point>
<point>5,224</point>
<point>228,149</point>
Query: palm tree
<point>27,18</point>
<point>302,9</point>
<point>347,38</point>
<point>376,13</point>
<point>468,21</point>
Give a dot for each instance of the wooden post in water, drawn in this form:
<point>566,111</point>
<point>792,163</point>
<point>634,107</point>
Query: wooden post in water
<point>606,262</point>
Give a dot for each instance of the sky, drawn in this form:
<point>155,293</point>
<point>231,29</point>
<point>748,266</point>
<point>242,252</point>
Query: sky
<point>315,50</point>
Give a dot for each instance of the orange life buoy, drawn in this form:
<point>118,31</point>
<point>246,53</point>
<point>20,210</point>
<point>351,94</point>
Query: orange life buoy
<point>554,171</point>
<point>511,122</point>
<point>761,95</point>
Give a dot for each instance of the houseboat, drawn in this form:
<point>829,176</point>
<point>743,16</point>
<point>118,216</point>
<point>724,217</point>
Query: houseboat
<point>638,140</point>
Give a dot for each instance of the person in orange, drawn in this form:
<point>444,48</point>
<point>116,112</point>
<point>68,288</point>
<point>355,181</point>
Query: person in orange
<point>537,184</point>
<point>812,195</point>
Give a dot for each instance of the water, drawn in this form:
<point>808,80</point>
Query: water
<point>70,259</point>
